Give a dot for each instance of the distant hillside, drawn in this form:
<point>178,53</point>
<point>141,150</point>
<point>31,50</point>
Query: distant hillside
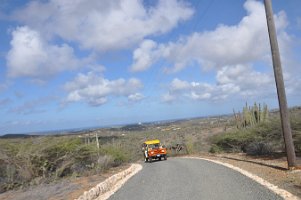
<point>17,136</point>
<point>133,127</point>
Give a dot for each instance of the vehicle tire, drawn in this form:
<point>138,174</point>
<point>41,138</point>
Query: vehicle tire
<point>150,159</point>
<point>160,158</point>
<point>165,157</point>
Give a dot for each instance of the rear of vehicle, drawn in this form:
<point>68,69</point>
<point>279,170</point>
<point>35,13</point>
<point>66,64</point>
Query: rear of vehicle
<point>153,150</point>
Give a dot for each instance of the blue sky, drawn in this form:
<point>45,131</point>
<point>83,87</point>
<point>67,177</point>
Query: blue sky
<point>94,63</point>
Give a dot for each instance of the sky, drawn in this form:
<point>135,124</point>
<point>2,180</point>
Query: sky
<point>74,64</point>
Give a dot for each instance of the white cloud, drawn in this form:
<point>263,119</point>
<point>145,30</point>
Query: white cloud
<point>230,51</point>
<point>169,98</point>
<point>30,55</point>
<point>135,97</point>
<point>103,25</point>
<point>95,90</point>
<point>144,56</point>
<point>226,45</point>
<point>239,81</point>
<point>178,84</point>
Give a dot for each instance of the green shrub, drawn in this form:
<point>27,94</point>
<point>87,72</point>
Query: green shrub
<point>118,154</point>
<point>215,149</point>
<point>190,143</point>
<point>297,141</point>
<point>85,153</point>
<point>264,138</point>
<point>64,169</point>
<point>235,141</point>
<point>59,148</point>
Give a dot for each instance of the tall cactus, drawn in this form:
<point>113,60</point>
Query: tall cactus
<point>251,115</point>
<point>265,113</point>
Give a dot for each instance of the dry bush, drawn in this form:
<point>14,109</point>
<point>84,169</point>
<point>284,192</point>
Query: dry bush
<point>262,139</point>
<point>105,162</point>
<point>259,148</point>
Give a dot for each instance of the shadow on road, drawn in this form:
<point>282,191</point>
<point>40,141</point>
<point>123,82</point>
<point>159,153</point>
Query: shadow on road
<point>258,163</point>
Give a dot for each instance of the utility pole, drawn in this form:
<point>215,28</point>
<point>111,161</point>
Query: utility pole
<point>284,115</point>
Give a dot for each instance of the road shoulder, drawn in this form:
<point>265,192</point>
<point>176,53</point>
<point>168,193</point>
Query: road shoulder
<point>271,174</point>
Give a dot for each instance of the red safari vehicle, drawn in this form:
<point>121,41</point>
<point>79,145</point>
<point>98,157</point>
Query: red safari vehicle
<point>152,150</point>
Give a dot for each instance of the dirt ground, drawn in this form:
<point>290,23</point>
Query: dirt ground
<point>70,188</point>
<point>271,169</point>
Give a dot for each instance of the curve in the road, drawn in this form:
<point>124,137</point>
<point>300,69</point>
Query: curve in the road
<point>281,192</point>
<point>184,178</point>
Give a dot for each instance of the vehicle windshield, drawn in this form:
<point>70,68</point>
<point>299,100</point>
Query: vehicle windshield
<point>154,146</point>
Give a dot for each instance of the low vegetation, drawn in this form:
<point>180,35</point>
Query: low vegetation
<point>262,138</point>
<point>31,160</point>
<point>35,160</point>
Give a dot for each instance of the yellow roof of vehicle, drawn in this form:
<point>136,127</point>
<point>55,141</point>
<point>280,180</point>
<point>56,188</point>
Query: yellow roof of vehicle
<point>152,142</point>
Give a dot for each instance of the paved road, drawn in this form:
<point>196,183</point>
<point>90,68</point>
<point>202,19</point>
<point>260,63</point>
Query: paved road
<point>184,178</point>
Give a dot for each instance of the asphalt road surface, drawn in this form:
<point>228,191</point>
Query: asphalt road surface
<point>184,178</point>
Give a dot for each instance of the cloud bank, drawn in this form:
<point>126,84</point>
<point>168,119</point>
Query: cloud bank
<point>103,25</point>
<point>226,45</point>
<point>231,52</point>
<point>95,90</point>
<point>31,56</point>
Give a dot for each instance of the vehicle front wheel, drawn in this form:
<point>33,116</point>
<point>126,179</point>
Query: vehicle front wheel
<point>150,159</point>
